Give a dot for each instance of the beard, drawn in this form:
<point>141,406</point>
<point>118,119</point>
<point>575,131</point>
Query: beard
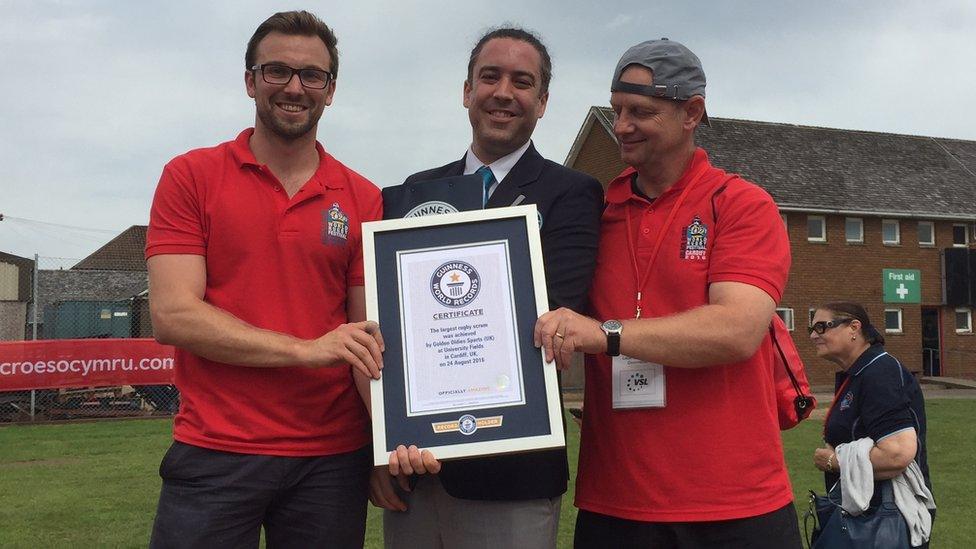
<point>286,130</point>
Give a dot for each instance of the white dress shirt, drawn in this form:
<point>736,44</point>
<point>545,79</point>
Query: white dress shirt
<point>499,168</point>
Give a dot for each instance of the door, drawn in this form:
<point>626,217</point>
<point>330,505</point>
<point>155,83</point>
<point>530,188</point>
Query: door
<point>931,342</point>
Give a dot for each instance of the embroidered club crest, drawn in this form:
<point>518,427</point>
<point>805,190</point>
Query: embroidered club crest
<point>694,240</point>
<point>335,226</point>
<point>846,402</point>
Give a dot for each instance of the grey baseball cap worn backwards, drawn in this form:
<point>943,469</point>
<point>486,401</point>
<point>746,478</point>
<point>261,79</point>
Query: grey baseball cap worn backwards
<point>678,74</point>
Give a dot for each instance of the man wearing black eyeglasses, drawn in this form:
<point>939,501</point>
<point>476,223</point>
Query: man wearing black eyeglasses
<point>256,276</point>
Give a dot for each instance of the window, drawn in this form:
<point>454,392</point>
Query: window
<point>960,237</point>
<point>964,320</point>
<point>10,292</point>
<point>786,315</point>
<point>816,228</point>
<point>926,233</point>
<point>854,229</point>
<point>893,321</point>
<point>889,231</point>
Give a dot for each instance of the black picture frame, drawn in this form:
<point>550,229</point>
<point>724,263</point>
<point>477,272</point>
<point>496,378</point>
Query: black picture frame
<point>532,423</point>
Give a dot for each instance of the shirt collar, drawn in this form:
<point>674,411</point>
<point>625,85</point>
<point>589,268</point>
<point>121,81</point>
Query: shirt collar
<point>619,190</point>
<point>240,149</point>
<point>500,167</point>
<point>866,359</point>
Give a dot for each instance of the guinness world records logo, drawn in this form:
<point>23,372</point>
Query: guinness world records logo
<point>467,424</point>
<point>455,284</point>
<point>431,207</point>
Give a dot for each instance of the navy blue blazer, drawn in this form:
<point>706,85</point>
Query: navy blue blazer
<point>570,204</point>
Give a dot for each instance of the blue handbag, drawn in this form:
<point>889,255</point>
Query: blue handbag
<point>880,527</point>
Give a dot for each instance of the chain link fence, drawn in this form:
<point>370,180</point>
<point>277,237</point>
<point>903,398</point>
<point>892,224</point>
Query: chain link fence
<point>102,296</point>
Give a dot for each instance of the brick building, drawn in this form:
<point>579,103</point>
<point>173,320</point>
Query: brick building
<point>855,203</point>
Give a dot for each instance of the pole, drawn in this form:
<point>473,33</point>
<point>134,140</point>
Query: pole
<point>33,405</point>
<point>34,299</point>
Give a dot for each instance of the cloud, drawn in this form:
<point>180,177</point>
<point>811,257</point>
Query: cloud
<point>99,95</point>
<point>618,21</point>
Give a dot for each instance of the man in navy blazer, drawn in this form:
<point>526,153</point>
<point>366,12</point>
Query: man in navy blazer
<point>509,500</point>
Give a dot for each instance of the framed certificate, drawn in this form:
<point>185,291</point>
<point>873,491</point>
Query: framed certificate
<point>457,297</point>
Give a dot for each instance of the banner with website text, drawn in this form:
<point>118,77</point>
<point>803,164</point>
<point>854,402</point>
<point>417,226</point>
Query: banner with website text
<point>63,363</point>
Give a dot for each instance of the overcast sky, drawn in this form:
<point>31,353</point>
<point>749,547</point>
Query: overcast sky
<point>98,95</point>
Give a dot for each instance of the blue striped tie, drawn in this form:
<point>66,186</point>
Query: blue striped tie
<point>487,179</point>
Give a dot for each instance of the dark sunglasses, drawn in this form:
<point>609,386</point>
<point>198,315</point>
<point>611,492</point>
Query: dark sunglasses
<point>824,325</point>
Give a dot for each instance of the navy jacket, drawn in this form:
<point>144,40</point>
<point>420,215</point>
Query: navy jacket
<point>570,204</point>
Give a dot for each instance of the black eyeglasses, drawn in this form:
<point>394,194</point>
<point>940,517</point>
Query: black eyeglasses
<point>824,325</point>
<point>276,73</point>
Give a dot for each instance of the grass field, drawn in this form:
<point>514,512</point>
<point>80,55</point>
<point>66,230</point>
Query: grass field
<point>95,484</point>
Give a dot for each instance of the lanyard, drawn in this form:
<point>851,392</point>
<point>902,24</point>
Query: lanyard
<point>835,403</point>
<point>642,280</point>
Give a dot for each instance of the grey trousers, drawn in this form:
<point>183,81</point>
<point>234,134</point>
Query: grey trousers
<point>436,520</point>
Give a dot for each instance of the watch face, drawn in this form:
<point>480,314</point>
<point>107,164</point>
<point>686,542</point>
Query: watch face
<point>612,326</point>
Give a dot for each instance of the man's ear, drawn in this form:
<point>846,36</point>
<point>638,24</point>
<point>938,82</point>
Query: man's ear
<point>466,93</point>
<point>543,100</point>
<point>694,110</point>
<point>249,83</point>
<point>330,92</point>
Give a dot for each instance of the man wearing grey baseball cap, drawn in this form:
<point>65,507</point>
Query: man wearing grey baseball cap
<point>680,443</point>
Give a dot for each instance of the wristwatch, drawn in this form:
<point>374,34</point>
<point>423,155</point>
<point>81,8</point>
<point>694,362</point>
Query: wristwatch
<point>612,328</point>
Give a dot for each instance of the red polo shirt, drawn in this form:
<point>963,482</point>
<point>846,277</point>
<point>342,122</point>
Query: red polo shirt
<point>277,263</point>
<point>714,451</point>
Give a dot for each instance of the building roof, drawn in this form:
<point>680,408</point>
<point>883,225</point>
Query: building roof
<point>833,170</point>
<point>15,259</point>
<point>125,252</point>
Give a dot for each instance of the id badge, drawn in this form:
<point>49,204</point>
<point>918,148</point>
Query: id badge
<point>637,384</point>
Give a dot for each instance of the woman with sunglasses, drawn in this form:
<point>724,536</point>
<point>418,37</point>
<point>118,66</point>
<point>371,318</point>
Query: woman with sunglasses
<point>876,397</point>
